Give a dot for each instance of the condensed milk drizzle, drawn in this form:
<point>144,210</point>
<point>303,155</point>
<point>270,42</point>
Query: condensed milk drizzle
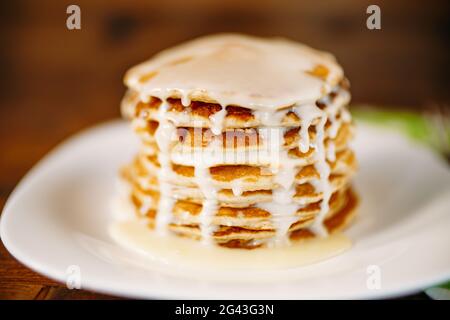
<point>323,185</point>
<point>164,135</point>
<point>209,205</point>
<point>267,76</point>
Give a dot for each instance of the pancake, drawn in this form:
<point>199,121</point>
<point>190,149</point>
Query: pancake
<point>238,186</point>
<point>239,177</point>
<point>252,227</point>
<point>203,113</point>
<point>245,146</point>
<point>236,68</point>
<point>244,142</point>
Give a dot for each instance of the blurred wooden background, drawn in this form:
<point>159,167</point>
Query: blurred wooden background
<point>55,81</point>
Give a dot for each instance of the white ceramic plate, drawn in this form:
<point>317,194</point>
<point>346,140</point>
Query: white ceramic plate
<point>58,217</point>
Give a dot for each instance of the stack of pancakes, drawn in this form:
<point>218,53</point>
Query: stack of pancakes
<point>244,142</point>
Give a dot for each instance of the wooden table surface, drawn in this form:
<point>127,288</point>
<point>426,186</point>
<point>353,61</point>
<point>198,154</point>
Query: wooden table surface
<point>55,82</point>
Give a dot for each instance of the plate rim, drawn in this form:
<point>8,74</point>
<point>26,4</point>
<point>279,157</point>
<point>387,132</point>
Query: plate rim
<point>100,287</point>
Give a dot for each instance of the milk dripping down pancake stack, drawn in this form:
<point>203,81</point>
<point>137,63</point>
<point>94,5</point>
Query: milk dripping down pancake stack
<point>244,142</point>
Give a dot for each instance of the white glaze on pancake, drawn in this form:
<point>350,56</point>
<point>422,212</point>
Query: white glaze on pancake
<point>164,134</point>
<point>234,69</point>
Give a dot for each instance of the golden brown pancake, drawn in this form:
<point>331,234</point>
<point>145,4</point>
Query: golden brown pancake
<point>244,142</point>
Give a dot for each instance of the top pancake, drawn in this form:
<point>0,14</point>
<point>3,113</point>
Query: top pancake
<point>233,69</point>
<point>203,114</point>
